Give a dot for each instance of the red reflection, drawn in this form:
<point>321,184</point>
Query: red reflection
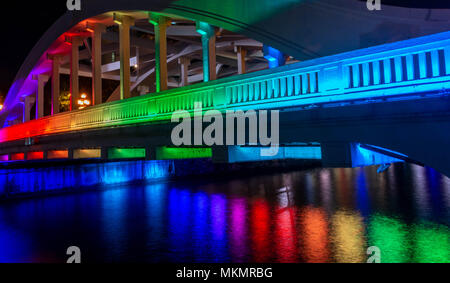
<point>260,230</point>
<point>314,235</point>
<point>285,236</point>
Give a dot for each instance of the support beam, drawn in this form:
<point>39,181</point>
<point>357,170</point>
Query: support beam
<point>161,23</point>
<point>42,80</point>
<point>208,34</point>
<point>74,71</point>
<point>56,84</point>
<point>184,70</point>
<point>241,55</point>
<point>124,22</point>
<point>97,31</point>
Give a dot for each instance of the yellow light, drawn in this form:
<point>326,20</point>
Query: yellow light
<point>136,66</point>
<point>87,102</point>
<point>1,107</point>
<point>80,102</point>
<point>83,96</point>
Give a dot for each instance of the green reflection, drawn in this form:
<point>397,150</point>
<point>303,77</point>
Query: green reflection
<point>402,243</point>
<point>391,236</point>
<point>432,243</point>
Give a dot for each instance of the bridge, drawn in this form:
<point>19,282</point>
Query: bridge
<point>370,106</point>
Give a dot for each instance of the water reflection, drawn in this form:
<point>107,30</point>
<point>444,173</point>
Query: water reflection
<point>324,215</point>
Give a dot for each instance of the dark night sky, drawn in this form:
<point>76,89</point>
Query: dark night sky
<point>20,33</point>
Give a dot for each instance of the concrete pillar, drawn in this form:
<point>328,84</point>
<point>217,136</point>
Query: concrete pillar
<point>184,70</point>
<point>56,82</point>
<point>124,22</point>
<point>42,80</point>
<point>74,72</point>
<point>97,95</point>
<point>209,50</point>
<point>27,103</point>
<point>241,55</point>
<point>161,23</point>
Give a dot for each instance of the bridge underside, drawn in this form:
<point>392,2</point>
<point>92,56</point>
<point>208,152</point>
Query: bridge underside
<point>419,133</point>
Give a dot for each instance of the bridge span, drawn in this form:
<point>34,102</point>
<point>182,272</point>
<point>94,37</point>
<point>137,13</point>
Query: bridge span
<point>372,106</point>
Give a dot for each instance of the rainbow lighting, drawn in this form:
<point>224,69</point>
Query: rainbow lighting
<point>391,70</point>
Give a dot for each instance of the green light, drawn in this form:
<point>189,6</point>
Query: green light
<point>391,236</point>
<point>126,153</point>
<point>169,153</point>
<point>432,243</point>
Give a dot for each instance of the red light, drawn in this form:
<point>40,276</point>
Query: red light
<point>18,157</point>
<point>38,155</point>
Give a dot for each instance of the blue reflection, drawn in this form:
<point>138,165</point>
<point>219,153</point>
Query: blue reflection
<point>219,243</point>
<point>363,202</point>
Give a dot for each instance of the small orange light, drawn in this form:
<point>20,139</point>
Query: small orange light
<point>87,102</point>
<point>1,107</point>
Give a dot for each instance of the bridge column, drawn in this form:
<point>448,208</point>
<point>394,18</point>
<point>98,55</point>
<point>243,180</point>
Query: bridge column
<point>27,103</point>
<point>241,55</point>
<point>74,72</point>
<point>97,31</point>
<point>42,80</point>
<point>209,50</point>
<point>56,85</point>
<point>161,23</point>
<point>124,22</point>
<point>184,70</point>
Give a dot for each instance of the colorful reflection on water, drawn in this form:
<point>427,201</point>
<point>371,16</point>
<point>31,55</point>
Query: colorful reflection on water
<point>323,215</point>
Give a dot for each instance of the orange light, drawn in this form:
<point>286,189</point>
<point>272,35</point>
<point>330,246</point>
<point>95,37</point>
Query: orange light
<point>1,107</point>
<point>83,96</point>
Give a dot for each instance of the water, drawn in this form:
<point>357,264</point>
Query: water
<point>322,215</point>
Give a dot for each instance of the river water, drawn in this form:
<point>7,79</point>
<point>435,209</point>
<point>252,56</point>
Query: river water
<point>319,215</point>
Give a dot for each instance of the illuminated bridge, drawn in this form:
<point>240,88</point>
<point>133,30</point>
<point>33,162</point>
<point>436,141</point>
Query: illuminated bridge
<point>347,106</point>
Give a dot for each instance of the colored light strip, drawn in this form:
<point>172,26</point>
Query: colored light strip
<point>58,154</point>
<point>17,157</point>
<point>168,153</point>
<point>126,153</point>
<point>38,155</point>
<point>87,153</point>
